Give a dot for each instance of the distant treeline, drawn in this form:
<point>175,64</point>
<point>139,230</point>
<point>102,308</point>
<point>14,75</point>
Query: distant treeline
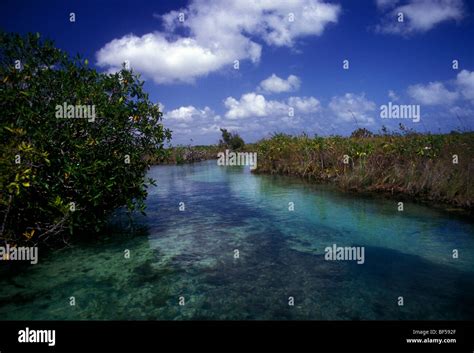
<point>187,154</point>
<point>190,154</point>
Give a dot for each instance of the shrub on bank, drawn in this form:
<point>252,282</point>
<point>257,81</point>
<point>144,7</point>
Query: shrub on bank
<point>426,166</point>
<point>61,171</point>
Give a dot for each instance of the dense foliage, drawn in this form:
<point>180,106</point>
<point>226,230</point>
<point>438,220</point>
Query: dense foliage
<point>63,175</point>
<point>231,140</point>
<point>424,166</point>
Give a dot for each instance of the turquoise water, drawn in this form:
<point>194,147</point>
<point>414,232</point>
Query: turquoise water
<point>190,254</point>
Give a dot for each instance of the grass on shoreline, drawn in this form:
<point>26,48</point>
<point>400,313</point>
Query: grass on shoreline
<point>421,166</point>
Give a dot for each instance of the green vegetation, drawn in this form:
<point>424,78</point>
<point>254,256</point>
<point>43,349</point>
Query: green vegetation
<point>422,166</point>
<point>231,141</point>
<point>191,154</point>
<point>187,154</point>
<point>63,175</point>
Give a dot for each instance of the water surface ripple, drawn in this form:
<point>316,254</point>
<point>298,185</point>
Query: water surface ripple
<point>190,254</point>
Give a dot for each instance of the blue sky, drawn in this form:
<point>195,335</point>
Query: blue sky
<point>290,54</point>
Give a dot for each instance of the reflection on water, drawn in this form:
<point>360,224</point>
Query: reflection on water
<point>190,254</point>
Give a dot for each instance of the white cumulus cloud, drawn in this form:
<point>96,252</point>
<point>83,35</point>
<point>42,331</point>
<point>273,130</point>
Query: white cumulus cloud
<point>393,95</point>
<point>353,108</point>
<point>250,104</point>
<point>433,93</point>
<point>465,83</point>
<point>418,15</point>
<point>256,105</point>
<point>275,84</point>
<point>217,33</point>
<point>190,122</point>
<point>304,104</point>
<point>189,114</point>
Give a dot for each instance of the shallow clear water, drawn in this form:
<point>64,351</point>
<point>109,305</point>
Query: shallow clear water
<point>190,253</point>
